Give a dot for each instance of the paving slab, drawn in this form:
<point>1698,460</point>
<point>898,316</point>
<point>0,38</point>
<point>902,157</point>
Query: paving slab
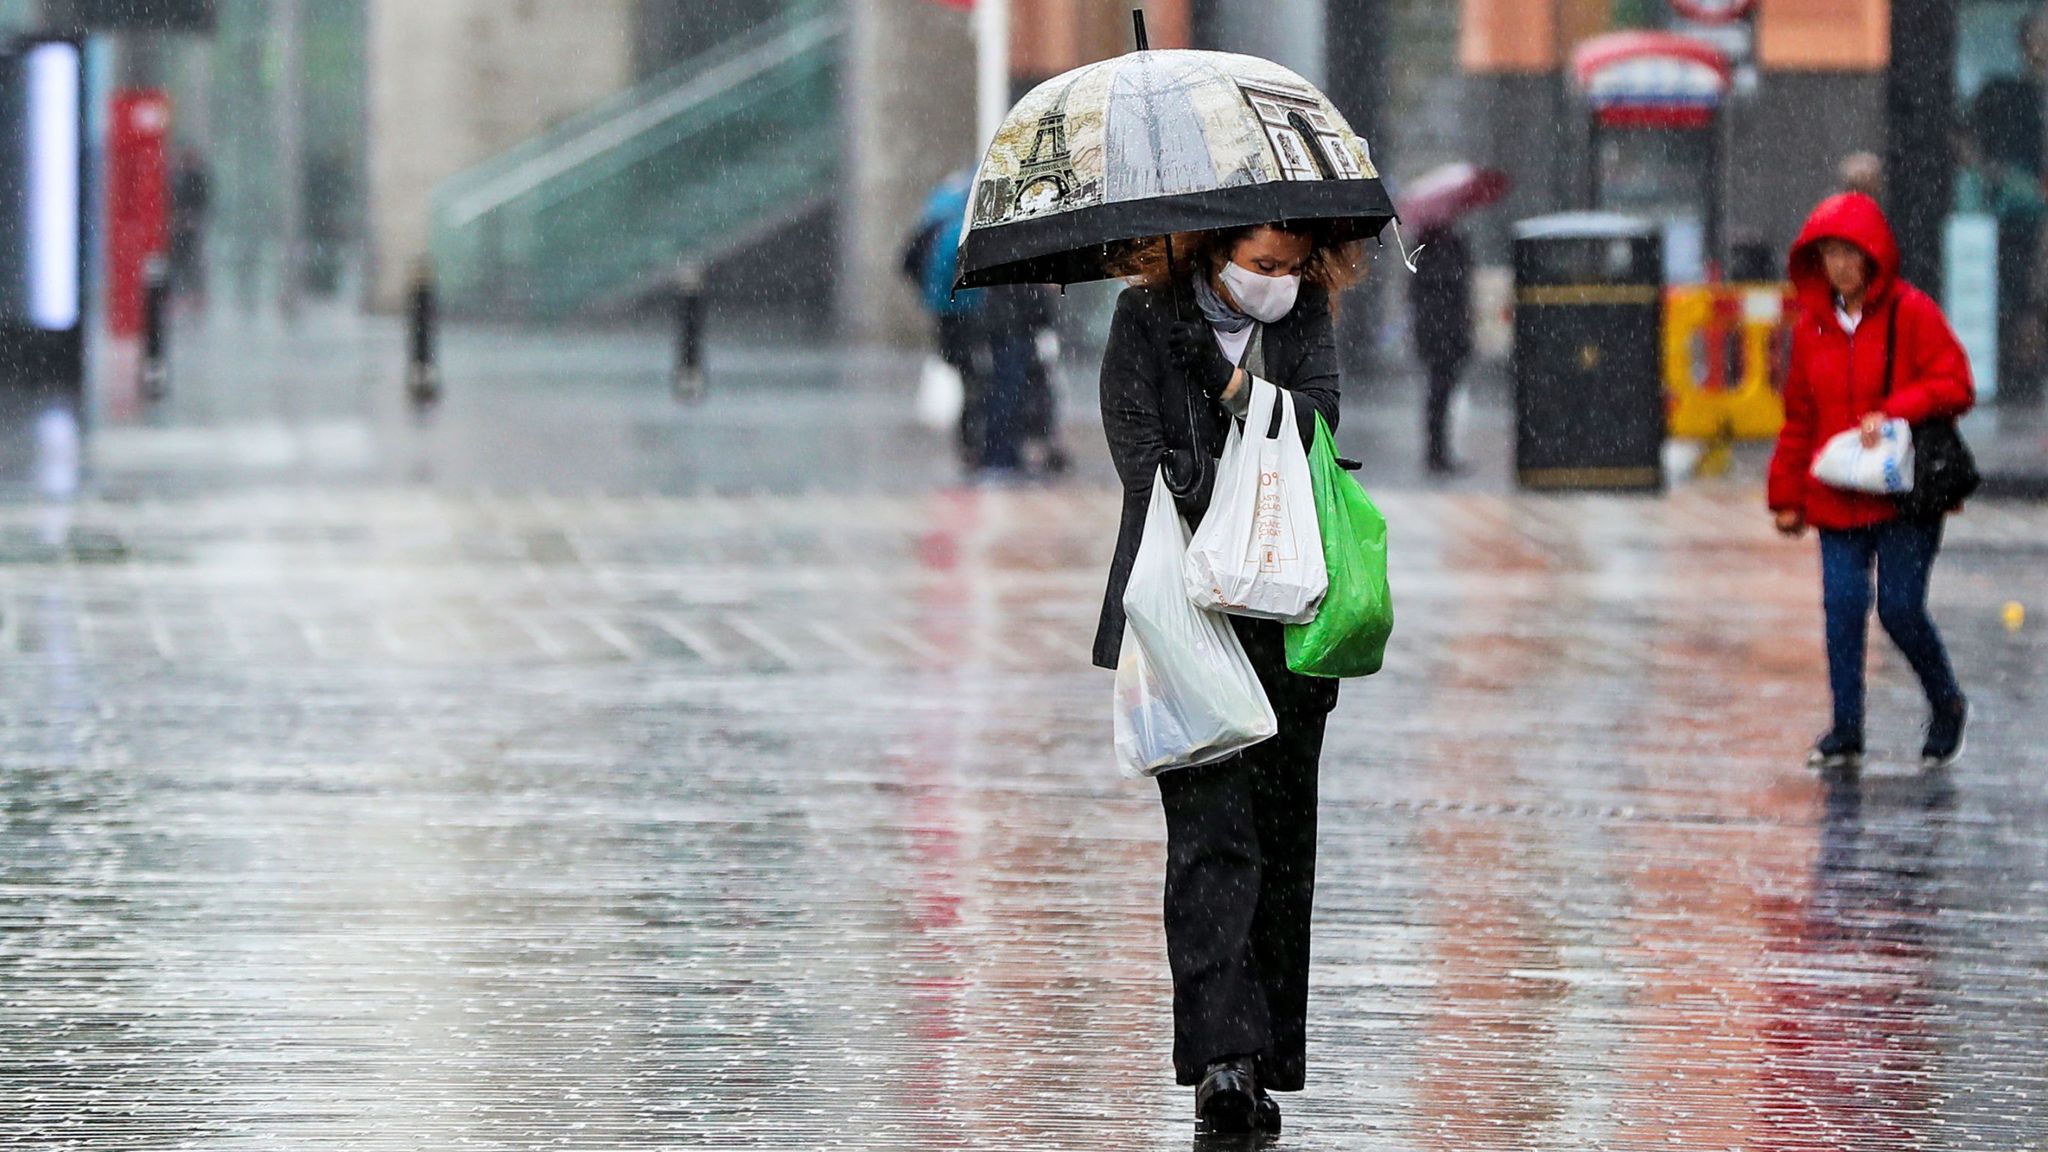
<point>499,782</point>
<point>379,817</point>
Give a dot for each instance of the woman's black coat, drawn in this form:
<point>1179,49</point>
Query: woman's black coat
<point>1151,416</point>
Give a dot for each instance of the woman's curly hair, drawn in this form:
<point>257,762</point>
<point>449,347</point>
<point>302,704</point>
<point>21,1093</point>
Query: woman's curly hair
<point>1332,264</point>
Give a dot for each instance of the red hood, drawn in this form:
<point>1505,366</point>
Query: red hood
<point>1850,216</point>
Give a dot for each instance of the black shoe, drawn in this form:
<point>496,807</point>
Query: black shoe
<point>1266,1114</point>
<point>1228,1097</point>
<point>1835,751</point>
<point>1945,736</point>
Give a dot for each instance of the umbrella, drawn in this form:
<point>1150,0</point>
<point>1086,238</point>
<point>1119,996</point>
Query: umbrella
<point>1446,193</point>
<point>1156,142</point>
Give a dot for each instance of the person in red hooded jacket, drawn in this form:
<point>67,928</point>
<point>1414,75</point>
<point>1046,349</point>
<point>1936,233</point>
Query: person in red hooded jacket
<point>1853,307</point>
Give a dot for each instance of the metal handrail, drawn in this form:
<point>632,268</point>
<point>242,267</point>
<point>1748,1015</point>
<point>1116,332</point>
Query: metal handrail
<point>652,88</point>
<point>618,123</point>
<point>725,146</point>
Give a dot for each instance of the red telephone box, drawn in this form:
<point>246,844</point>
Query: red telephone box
<point>138,200</point>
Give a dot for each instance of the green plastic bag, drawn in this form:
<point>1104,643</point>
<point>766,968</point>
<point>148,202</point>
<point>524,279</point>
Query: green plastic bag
<point>1348,636</point>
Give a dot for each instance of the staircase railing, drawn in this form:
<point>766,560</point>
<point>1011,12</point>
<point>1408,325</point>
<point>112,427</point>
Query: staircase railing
<point>694,163</point>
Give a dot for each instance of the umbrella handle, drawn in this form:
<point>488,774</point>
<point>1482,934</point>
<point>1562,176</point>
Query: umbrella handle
<point>1200,467</point>
<point>1173,280</point>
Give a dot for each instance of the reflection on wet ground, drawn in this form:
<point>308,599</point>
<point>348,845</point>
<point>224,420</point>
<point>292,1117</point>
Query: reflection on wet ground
<point>340,812</point>
<point>379,818</point>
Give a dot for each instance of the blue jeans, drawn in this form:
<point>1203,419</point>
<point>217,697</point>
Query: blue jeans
<point>1902,551</point>
<point>1000,414</point>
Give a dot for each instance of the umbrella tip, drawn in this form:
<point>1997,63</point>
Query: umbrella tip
<point>1138,24</point>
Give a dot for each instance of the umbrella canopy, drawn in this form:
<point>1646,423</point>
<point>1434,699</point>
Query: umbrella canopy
<point>1444,194</point>
<point>1155,142</point>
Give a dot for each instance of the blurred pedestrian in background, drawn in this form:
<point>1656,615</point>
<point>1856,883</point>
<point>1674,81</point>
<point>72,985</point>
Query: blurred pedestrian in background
<point>1033,313</point>
<point>1440,294</point>
<point>1019,413</point>
<point>1240,833</point>
<point>930,260</point>
<point>1867,347</point>
<point>1862,172</point>
<point>2002,173</point>
<point>191,198</point>
<point>1002,341</point>
<point>1440,315</point>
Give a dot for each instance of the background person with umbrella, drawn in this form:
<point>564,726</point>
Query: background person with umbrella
<point>1440,296</point>
<point>1440,313</point>
<point>1268,190</point>
<point>1001,341</point>
<point>930,261</point>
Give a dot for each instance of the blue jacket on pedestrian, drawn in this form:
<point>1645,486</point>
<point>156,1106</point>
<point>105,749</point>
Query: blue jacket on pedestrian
<point>944,216</point>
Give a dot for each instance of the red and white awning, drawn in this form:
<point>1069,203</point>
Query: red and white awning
<point>1651,79</point>
<point>1714,11</point>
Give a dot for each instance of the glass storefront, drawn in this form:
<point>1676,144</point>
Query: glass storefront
<point>2001,163</point>
<point>233,85</point>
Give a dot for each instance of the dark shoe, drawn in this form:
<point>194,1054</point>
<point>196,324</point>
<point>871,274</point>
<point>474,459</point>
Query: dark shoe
<point>1836,751</point>
<point>1266,1114</point>
<point>1045,458</point>
<point>1228,1097</point>
<point>1945,736</point>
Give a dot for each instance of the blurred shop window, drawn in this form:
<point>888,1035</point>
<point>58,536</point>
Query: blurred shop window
<point>673,31</point>
<point>2002,157</point>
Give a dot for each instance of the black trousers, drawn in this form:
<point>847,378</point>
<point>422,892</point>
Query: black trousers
<point>963,344</point>
<point>1443,388</point>
<point>1240,883</point>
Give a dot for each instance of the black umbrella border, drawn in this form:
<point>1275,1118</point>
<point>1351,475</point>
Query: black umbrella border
<point>1075,246</point>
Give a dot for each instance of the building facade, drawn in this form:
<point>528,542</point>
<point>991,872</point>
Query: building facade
<point>327,124</point>
<point>1810,90</point>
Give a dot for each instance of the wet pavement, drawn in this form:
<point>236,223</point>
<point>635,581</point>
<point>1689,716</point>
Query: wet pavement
<point>519,780</point>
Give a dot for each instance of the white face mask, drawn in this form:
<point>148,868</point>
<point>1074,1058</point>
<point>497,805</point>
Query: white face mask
<point>1263,298</point>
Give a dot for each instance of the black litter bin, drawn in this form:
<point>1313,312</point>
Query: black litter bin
<point>1589,334</point>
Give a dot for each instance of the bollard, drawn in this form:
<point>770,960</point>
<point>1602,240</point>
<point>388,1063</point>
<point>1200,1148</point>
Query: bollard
<point>156,295</point>
<point>688,381</point>
<point>422,375</point>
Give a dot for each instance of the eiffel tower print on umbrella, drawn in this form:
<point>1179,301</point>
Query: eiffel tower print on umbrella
<point>1156,142</point>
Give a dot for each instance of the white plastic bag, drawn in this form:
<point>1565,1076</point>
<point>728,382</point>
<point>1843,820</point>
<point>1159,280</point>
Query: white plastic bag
<point>940,394</point>
<point>1185,691</point>
<point>1886,470</point>
<point>1258,552</point>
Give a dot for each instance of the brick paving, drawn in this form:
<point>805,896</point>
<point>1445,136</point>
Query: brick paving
<point>346,813</point>
<point>381,818</point>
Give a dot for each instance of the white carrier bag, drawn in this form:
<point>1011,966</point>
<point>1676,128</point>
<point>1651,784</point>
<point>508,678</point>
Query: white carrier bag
<point>1258,552</point>
<point>1185,691</point>
<point>940,394</point>
<point>1886,470</point>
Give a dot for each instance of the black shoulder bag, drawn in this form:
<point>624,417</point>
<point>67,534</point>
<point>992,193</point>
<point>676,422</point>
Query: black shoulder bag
<point>1944,471</point>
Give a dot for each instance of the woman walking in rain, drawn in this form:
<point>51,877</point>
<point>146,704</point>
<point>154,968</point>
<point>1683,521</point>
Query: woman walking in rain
<point>1241,833</point>
<point>1867,347</point>
<point>1232,195</point>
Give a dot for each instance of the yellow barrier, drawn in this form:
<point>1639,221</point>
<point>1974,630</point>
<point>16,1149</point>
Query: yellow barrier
<point>1699,321</point>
